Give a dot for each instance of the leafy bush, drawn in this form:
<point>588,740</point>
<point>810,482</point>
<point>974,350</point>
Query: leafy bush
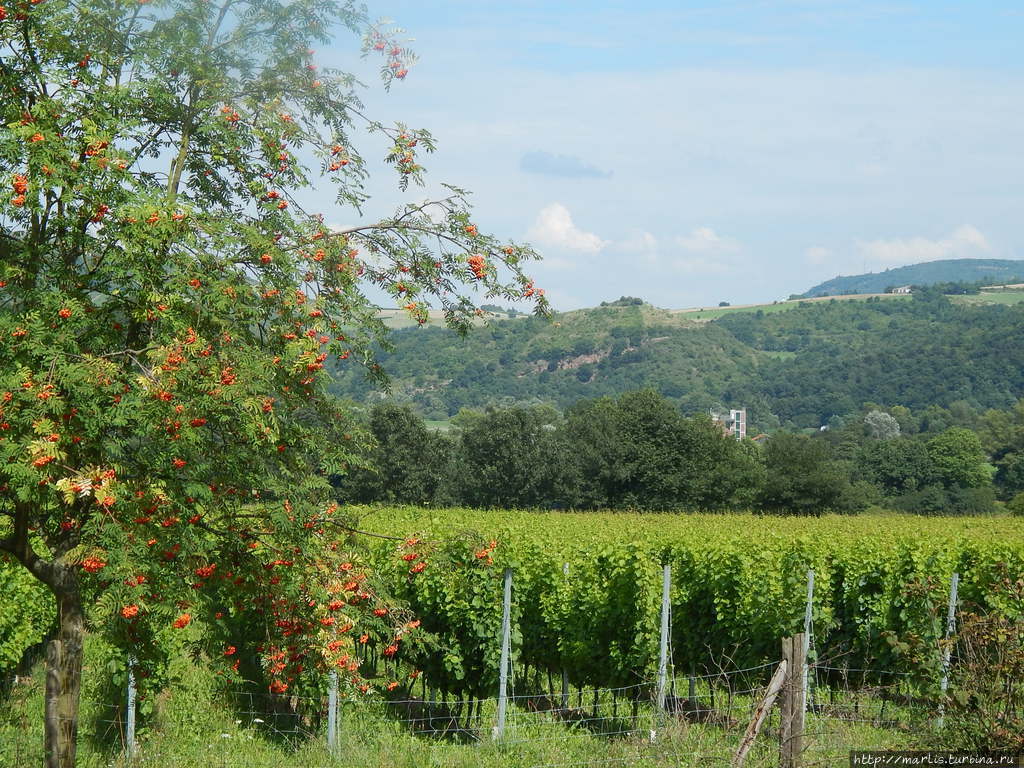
<point>27,614</point>
<point>1016,505</point>
<point>623,301</point>
<point>985,707</point>
<point>936,500</point>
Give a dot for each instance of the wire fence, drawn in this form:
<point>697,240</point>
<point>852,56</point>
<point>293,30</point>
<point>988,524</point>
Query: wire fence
<point>702,723</point>
<point>538,717</point>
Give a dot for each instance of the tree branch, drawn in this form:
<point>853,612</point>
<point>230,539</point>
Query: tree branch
<point>51,574</point>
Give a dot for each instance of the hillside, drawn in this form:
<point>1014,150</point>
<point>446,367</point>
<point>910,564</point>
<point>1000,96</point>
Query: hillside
<point>586,353</point>
<point>797,367</point>
<point>990,271</point>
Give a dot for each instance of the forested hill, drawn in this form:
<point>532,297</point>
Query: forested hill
<point>988,271</point>
<point>796,367</point>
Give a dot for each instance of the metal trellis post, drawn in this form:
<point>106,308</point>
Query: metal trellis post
<point>808,630</point>
<point>506,642</point>
<point>332,712</point>
<point>666,582</point>
<point>954,586</point>
<point>565,672</point>
<point>130,710</point>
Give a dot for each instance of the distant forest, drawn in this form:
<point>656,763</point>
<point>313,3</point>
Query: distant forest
<point>982,271</point>
<point>637,451</point>
<point>802,368</point>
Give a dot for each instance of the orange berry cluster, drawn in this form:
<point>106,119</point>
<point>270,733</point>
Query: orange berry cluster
<point>478,264</point>
<point>20,185</point>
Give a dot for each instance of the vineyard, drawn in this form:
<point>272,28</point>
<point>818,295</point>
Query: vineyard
<point>585,613</point>
<point>588,587</point>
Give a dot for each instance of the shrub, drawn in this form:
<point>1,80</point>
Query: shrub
<point>1016,505</point>
<point>985,705</point>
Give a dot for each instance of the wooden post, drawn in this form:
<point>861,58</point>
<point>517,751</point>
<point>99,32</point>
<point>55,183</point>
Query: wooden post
<point>791,734</point>
<point>777,681</point>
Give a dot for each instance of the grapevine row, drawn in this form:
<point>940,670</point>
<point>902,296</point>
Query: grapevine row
<point>587,589</point>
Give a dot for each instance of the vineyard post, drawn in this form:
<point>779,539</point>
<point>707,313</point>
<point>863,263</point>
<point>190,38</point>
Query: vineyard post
<point>791,731</point>
<point>954,585</point>
<point>565,672</point>
<point>666,581</point>
<point>130,710</point>
<point>808,633</point>
<point>332,711</point>
<point>506,640</point>
<point>760,713</point>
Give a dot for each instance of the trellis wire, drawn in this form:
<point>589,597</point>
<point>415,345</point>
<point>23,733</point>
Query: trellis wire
<point>546,717</point>
<point>539,720</point>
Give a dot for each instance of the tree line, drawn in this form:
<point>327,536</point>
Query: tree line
<point>639,451</point>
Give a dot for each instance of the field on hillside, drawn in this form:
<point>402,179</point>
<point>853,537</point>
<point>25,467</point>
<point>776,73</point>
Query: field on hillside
<point>713,313</point>
<point>399,318</point>
<point>991,297</point>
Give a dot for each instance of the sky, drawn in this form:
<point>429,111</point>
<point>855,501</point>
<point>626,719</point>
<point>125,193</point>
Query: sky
<point>691,152</point>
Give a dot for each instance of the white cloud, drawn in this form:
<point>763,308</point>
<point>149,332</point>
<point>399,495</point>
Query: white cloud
<point>818,170</point>
<point>555,263</point>
<point>705,252</point>
<point>964,242</point>
<point>706,240</point>
<point>817,255</point>
<point>554,228</point>
<point>702,265</point>
<point>642,243</point>
<point>562,300</point>
<point>568,166</point>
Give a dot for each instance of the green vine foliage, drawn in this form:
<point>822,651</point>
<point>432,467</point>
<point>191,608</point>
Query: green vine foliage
<point>167,307</point>
<point>739,585</point>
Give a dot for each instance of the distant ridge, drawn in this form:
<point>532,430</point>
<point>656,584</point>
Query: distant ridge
<point>990,271</point>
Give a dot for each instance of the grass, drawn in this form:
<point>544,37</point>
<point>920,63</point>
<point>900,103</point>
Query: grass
<point>399,318</point>
<point>991,297</point>
<point>194,725</point>
<point>713,313</point>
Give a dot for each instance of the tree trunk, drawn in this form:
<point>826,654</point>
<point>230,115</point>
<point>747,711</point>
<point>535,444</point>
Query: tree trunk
<point>64,682</point>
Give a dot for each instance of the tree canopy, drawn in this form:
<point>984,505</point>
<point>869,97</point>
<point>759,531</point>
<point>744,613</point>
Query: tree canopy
<point>167,309</point>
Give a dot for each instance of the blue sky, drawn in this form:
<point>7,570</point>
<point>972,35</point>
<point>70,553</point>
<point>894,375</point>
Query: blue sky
<point>691,153</point>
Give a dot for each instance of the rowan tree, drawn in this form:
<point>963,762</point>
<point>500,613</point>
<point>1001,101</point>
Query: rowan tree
<point>167,310</point>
